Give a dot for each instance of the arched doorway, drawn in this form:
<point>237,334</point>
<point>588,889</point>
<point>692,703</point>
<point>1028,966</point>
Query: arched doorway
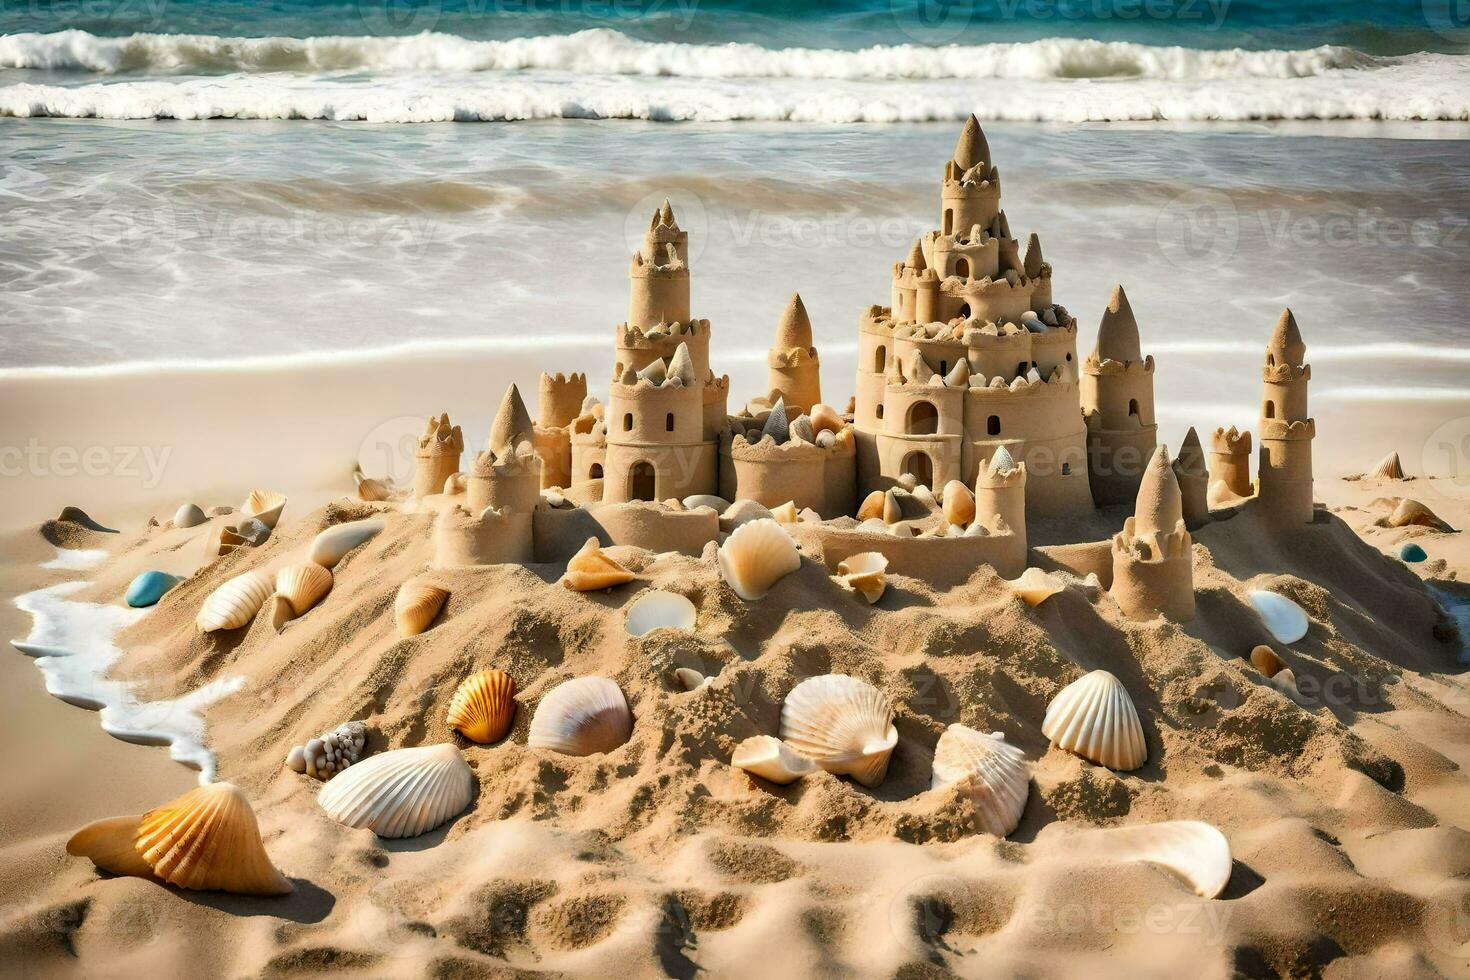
<point>595,473</point>
<point>923,419</point>
<point>921,467</point>
<point>642,483</point>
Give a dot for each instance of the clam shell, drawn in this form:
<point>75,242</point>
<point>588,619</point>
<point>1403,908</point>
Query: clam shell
<point>402,793</point>
<point>234,603</point>
<point>658,609</point>
<point>987,769</point>
<point>333,544</point>
<point>786,513</point>
<point>771,759</point>
<point>843,724</point>
<point>330,752</point>
<point>872,506</point>
<point>582,716</point>
<point>591,569</point>
<point>148,588</point>
<point>1264,659</point>
<point>265,506</point>
<point>416,606</point>
<point>1192,849</point>
<point>826,419</point>
<point>959,504</point>
<point>1094,717</point>
<point>1284,619</point>
<point>756,556</point>
<point>864,573</point>
<point>207,839</point>
<point>483,706</point>
<point>303,585</point>
<point>189,515</point>
<point>743,512</point>
<point>1035,586</point>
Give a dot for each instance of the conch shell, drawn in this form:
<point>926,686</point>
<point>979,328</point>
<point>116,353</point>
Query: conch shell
<point>265,506</point>
<point>865,573</point>
<point>843,724</point>
<point>1094,717</point>
<point>987,769</point>
<point>416,606</point>
<point>591,569</point>
<point>1035,586</point>
<point>483,706</point>
<point>402,793</point>
<point>771,759</point>
<point>234,603</point>
<point>582,716</point>
<point>756,556</point>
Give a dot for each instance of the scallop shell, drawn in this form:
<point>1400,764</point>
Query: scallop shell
<point>189,515</point>
<point>826,419</point>
<point>265,506</point>
<point>1035,586</point>
<point>771,759</point>
<point>234,603</point>
<point>483,706</point>
<point>959,504</point>
<point>1285,620</point>
<point>987,769</point>
<point>1389,467</point>
<point>756,556</point>
<point>1264,659</point>
<point>333,544</point>
<point>591,569</point>
<point>786,513</point>
<point>582,716</point>
<point>1192,849</point>
<point>416,606</point>
<point>207,839</point>
<point>843,724</point>
<point>303,586</point>
<point>658,609</point>
<point>370,489</point>
<point>402,793</point>
<point>864,573</point>
<point>1094,717</point>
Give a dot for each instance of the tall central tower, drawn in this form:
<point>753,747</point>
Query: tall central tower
<point>1287,430</point>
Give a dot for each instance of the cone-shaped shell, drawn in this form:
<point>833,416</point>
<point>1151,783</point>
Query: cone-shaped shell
<point>234,603</point>
<point>959,504</point>
<point>1194,850</point>
<point>786,513</point>
<point>333,544</point>
<point>189,515</point>
<point>402,793</point>
<point>1094,717</point>
<point>777,426</point>
<point>582,716</point>
<point>1117,334</point>
<point>416,606</point>
<point>771,759</point>
<point>1388,468</point>
<point>843,724</point>
<point>591,569</point>
<point>265,506</point>
<point>483,706</point>
<point>681,366</point>
<point>756,556</point>
<point>303,585</point>
<point>987,769</point>
<point>826,419</point>
<point>1286,621</point>
<point>1035,586</point>
<point>864,573</point>
<point>658,609</point>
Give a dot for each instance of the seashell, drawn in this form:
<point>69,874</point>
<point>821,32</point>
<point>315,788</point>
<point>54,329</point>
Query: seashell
<point>206,840</point>
<point>416,606</point>
<point>75,515</point>
<point>826,419</point>
<point>302,587</point>
<point>148,588</point>
<point>234,603</point>
<point>1412,553</point>
<point>786,513</point>
<point>1094,717</point>
<point>864,573</point>
<point>251,530</point>
<point>690,679</point>
<point>483,706</point>
<point>265,506</point>
<point>959,504</point>
<point>720,504</point>
<point>333,544</point>
<point>402,793</point>
<point>1410,511</point>
<point>1264,659</point>
<point>582,716</point>
<point>776,425</point>
<point>1284,619</point>
<point>872,506</point>
<point>743,512</point>
<point>189,515</point>
<point>989,770</point>
<point>658,609</point>
<point>370,489</point>
<point>330,752</point>
<point>1191,849</point>
<point>756,556</point>
<point>843,724</point>
<point>1035,586</point>
<point>801,429</point>
<point>892,511</point>
<point>771,759</point>
<point>591,569</point>
<point>1389,468</point>
<point>826,439</point>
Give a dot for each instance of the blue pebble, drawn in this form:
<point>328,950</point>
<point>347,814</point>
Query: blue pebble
<point>1412,552</point>
<point>149,587</point>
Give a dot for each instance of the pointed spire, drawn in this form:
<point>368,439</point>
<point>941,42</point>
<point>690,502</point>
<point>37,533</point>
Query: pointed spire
<point>1117,334</point>
<point>972,149</point>
<point>681,366</point>
<point>1191,458</point>
<point>512,424</point>
<point>1287,346</point>
<point>1033,257</point>
<point>796,327</point>
<point>915,260</point>
<point>1160,506</point>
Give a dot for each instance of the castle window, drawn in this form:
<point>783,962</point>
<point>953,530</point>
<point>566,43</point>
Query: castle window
<point>965,311</point>
<point>1270,360</point>
<point>595,473</point>
<point>949,221</point>
<point>1069,355</point>
<point>1066,469</point>
<point>1021,369</point>
<point>669,422</point>
<point>920,466</point>
<point>880,411</point>
<point>923,419</point>
<point>880,359</point>
<point>943,367</point>
<point>962,268</point>
<point>628,422</point>
<point>642,482</point>
<point>992,425</point>
<point>1133,406</point>
<point>1270,410</point>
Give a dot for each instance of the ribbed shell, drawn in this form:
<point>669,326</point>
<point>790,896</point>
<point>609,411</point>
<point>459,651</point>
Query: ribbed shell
<point>786,513</point>
<point>483,706</point>
<point>402,793</point>
<point>843,724</point>
<point>756,556</point>
<point>234,603</point>
<point>265,506</point>
<point>189,515</point>
<point>1094,717</point>
<point>591,569</point>
<point>303,585</point>
<point>582,716</point>
<point>416,606</point>
<point>987,769</point>
<point>825,418</point>
<point>771,759</point>
<point>1192,849</point>
<point>332,545</point>
<point>1389,467</point>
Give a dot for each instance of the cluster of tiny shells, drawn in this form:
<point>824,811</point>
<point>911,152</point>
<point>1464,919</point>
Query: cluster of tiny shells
<point>331,752</point>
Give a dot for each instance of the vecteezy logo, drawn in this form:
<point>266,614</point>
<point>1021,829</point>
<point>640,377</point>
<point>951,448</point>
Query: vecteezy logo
<point>932,21</point>
<point>689,213</point>
<point>135,240</point>
<point>1446,454</point>
<point>1450,19</point>
<point>389,450</point>
<point>398,17</point>
<point>1198,230</point>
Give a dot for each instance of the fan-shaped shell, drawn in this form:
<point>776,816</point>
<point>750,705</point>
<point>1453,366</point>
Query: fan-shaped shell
<point>265,506</point>
<point>658,609</point>
<point>1285,620</point>
<point>303,586</point>
<point>843,724</point>
<point>333,544</point>
<point>1192,849</point>
<point>786,513</point>
<point>756,556</point>
<point>416,606</point>
<point>959,504</point>
<point>582,716</point>
<point>1389,467</point>
<point>402,793</point>
<point>864,573</point>
<point>234,603</point>
<point>483,706</point>
<point>207,839</point>
<point>989,770</point>
<point>1094,717</point>
<point>370,489</point>
<point>1035,586</point>
<point>189,515</point>
<point>592,568</point>
<point>771,759</point>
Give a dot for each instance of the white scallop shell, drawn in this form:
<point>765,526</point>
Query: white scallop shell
<point>333,544</point>
<point>1192,849</point>
<point>756,556</point>
<point>658,609</point>
<point>402,793</point>
<point>1285,620</point>
<point>265,506</point>
<point>989,770</point>
<point>582,716</point>
<point>189,515</point>
<point>771,759</point>
<point>234,603</point>
<point>843,724</point>
<point>1094,717</point>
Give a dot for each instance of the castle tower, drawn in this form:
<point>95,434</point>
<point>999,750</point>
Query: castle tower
<point>1000,495</point>
<point>1194,480</point>
<point>794,373</point>
<point>507,475</point>
<point>436,457</point>
<point>1153,570</point>
<point>660,273</point>
<point>1230,465</point>
<point>559,402</point>
<point>656,444</point>
<point>1285,465</point>
<point>1118,404</point>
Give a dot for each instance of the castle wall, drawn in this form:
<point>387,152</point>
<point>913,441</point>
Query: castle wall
<point>636,350</point>
<point>559,399</point>
<point>1145,590</point>
<point>514,485</point>
<point>1118,401</point>
<point>559,533</point>
<point>431,470</point>
<point>462,538</point>
<point>554,447</point>
<point>1285,471</point>
<point>942,562</point>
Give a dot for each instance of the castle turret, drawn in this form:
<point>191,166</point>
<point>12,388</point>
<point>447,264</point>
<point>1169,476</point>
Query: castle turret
<point>559,402</point>
<point>507,475</point>
<point>1000,494</point>
<point>1230,465</point>
<point>1194,480</point>
<point>971,194</point>
<point>1287,430</point>
<point>437,456</point>
<point>1118,404</point>
<point>794,372</point>
<point>1153,572</point>
<point>656,445</point>
<point>660,274</point>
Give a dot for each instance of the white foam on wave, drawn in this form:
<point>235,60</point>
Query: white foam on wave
<point>76,559</point>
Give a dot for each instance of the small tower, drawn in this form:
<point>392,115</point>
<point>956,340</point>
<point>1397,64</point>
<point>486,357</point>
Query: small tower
<point>656,445</point>
<point>794,373</point>
<point>1000,492</point>
<point>1153,573</point>
<point>971,191</point>
<point>1285,465</point>
<point>1230,465</point>
<point>1118,403</point>
<point>437,456</point>
<point>507,475</point>
<point>559,402</point>
<point>660,274</point>
<point>1194,480</point>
